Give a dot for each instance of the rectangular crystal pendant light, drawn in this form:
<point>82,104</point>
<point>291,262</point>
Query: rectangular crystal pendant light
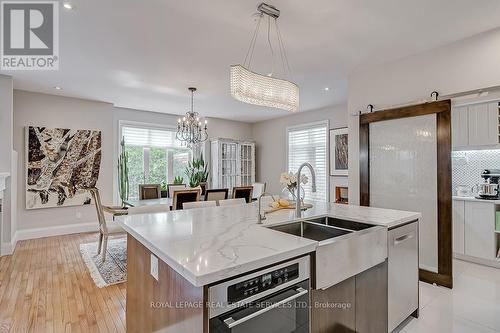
<point>253,88</point>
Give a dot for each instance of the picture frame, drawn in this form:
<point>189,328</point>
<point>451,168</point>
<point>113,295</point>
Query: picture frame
<point>339,152</point>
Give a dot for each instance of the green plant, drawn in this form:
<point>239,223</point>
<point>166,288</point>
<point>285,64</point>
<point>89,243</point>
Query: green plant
<point>197,171</point>
<point>123,182</point>
<point>163,186</point>
<point>178,180</point>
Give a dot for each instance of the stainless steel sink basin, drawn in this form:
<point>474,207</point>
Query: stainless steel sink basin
<point>345,248</point>
<point>339,223</point>
<point>310,230</point>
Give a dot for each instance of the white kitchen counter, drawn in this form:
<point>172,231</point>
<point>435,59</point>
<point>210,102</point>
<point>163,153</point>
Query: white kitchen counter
<point>210,244</point>
<point>495,202</point>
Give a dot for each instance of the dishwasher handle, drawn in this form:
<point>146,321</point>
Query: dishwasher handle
<point>404,238</point>
<point>230,322</point>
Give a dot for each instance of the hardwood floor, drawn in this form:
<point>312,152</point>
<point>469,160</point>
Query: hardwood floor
<point>46,287</point>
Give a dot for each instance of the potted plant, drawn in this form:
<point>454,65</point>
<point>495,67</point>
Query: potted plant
<point>197,173</point>
<point>164,190</point>
<point>123,182</point>
<point>178,180</point>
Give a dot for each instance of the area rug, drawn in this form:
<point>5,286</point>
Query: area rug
<point>114,269</point>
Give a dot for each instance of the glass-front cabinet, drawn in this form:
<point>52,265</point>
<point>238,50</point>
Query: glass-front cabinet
<point>233,163</point>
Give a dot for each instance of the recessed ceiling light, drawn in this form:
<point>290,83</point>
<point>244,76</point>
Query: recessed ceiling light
<point>67,5</point>
<point>326,89</point>
<point>57,88</point>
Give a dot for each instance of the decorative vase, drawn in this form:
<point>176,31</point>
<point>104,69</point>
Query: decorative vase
<point>290,192</point>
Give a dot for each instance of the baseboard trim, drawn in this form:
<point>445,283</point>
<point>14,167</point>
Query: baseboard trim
<point>59,230</point>
<point>475,260</point>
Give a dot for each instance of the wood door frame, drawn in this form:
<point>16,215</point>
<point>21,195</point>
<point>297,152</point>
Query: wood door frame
<point>442,110</point>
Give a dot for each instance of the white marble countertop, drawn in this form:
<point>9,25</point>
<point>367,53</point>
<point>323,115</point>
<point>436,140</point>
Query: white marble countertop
<point>495,202</point>
<point>210,244</point>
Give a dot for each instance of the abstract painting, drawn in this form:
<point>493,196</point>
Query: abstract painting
<point>60,165</point>
<point>339,152</point>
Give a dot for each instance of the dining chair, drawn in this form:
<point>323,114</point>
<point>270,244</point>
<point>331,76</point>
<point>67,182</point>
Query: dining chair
<point>232,202</point>
<point>243,192</point>
<point>160,208</point>
<point>149,191</point>
<point>106,228</point>
<point>182,196</point>
<point>258,189</point>
<point>216,194</point>
<point>204,187</point>
<point>171,188</point>
<point>198,204</point>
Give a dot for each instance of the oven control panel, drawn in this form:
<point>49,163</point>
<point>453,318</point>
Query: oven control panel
<point>258,284</point>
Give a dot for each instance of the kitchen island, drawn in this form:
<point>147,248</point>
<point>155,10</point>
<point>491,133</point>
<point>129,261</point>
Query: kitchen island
<point>174,258</point>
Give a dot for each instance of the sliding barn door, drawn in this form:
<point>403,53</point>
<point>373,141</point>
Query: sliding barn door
<point>403,164</point>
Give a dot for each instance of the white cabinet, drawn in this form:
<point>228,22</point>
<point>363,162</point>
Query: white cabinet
<point>483,124</point>
<point>233,163</point>
<point>475,126</point>
<point>458,226</point>
<point>460,132</point>
<point>479,230</point>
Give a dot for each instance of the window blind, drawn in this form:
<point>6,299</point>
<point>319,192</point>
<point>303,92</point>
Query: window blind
<point>308,143</point>
<point>149,137</point>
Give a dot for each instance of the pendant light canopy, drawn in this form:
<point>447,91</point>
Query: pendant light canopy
<point>265,90</point>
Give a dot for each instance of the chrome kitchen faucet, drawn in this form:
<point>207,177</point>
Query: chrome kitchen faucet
<point>298,209</point>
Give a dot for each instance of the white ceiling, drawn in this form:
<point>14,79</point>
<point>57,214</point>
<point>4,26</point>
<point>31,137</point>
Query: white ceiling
<point>145,54</point>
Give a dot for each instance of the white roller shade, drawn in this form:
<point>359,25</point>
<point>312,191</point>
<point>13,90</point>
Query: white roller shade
<point>309,143</point>
<point>149,137</point>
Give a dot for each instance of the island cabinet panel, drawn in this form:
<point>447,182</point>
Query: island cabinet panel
<point>171,304</point>
<point>357,304</point>
<point>372,300</point>
<point>333,310</point>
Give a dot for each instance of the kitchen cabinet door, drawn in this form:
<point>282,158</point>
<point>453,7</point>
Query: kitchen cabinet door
<point>459,127</point>
<point>479,230</point>
<point>483,124</point>
<point>458,226</point>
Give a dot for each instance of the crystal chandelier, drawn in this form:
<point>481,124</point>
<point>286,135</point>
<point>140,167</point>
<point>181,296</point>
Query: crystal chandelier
<point>190,129</point>
<point>265,90</point>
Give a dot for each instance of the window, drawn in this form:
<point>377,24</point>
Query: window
<point>154,156</point>
<point>308,143</point>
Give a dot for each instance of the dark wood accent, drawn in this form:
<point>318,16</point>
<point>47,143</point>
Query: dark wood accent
<point>406,112</point>
<point>445,211</point>
<point>364,164</point>
<point>154,305</point>
<point>432,277</point>
<point>442,110</point>
<point>371,300</point>
<point>336,319</point>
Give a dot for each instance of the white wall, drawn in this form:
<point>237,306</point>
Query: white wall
<point>6,119</point>
<point>55,111</point>
<point>270,138</point>
<point>464,65</point>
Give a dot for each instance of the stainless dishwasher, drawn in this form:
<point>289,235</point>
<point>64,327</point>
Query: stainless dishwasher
<point>273,300</point>
<point>403,273</point>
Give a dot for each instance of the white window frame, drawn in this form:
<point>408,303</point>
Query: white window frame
<point>130,123</point>
<point>326,124</point>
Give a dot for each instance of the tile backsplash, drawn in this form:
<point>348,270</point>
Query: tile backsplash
<point>468,165</point>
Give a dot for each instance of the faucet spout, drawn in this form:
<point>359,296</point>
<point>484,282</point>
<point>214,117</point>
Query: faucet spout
<point>262,217</point>
<point>298,208</point>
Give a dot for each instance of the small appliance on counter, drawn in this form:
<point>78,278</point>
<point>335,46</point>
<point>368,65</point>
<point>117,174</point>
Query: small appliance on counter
<point>463,191</point>
<point>489,188</point>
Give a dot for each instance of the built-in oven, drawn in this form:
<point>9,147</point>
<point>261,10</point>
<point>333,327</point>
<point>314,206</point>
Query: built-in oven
<point>273,300</point>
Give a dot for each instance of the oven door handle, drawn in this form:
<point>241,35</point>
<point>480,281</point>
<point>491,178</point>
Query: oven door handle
<point>230,322</point>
